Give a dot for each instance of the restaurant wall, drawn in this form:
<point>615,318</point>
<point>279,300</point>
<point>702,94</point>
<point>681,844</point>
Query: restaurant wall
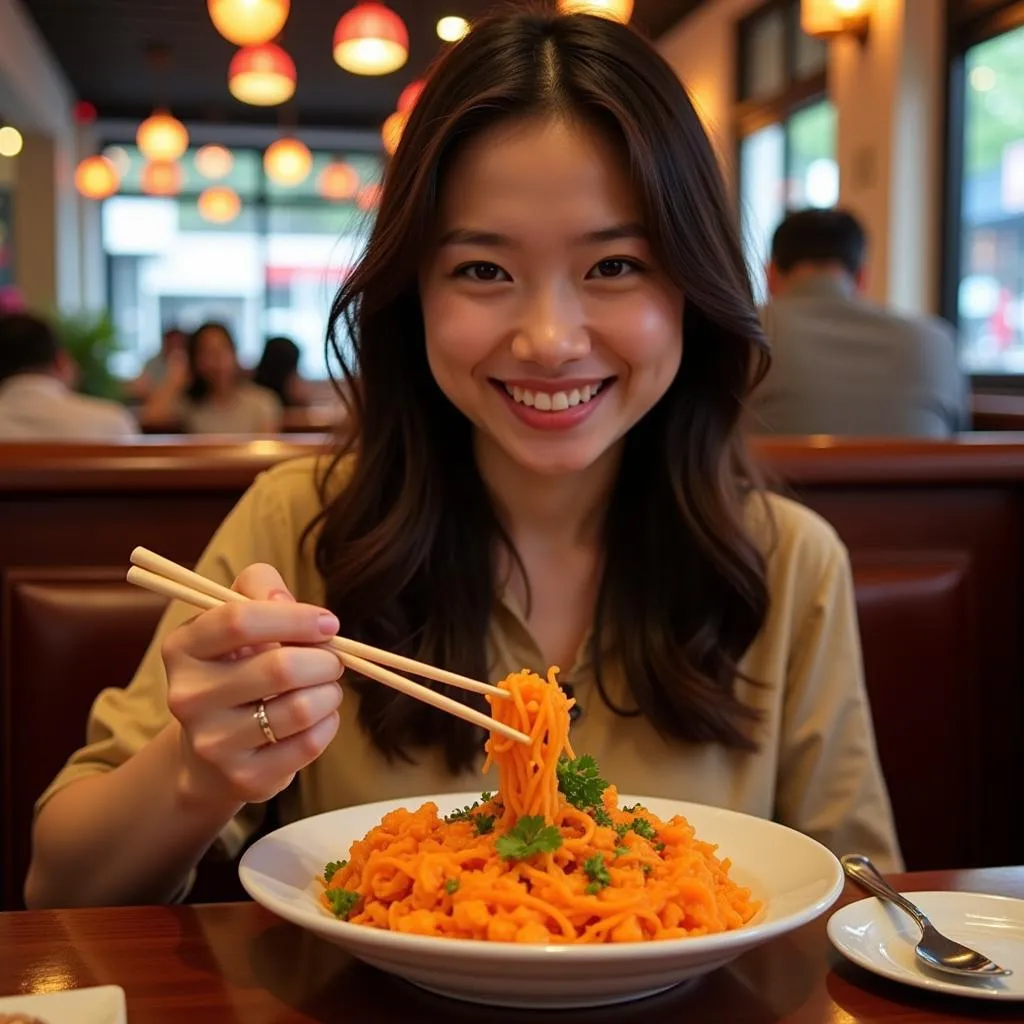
<point>50,220</point>
<point>888,94</point>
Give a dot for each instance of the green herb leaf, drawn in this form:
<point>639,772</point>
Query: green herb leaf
<point>484,823</point>
<point>464,814</point>
<point>602,817</point>
<point>659,847</point>
<point>451,886</point>
<point>530,836</point>
<point>621,851</point>
<point>646,869</point>
<point>580,781</point>
<point>486,796</point>
<point>643,828</point>
<point>633,809</point>
<point>597,873</point>
<point>342,902</point>
<point>335,865</point>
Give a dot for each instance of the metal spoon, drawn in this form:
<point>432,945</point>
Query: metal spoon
<point>934,949</point>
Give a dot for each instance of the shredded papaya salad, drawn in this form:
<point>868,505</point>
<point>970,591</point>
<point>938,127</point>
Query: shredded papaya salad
<point>550,858</point>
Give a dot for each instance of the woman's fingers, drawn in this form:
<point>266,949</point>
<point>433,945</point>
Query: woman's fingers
<point>290,714</point>
<point>271,768</point>
<point>231,627</point>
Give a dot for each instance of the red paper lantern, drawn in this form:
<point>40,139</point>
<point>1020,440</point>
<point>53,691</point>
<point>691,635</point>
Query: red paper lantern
<point>161,137</point>
<point>262,76</point>
<point>371,39</point>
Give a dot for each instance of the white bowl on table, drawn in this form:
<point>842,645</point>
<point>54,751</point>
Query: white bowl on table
<point>796,879</point>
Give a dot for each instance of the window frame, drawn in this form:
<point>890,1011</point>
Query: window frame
<point>969,23</point>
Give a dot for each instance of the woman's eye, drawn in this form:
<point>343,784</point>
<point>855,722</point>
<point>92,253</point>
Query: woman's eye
<point>612,268</point>
<point>484,272</point>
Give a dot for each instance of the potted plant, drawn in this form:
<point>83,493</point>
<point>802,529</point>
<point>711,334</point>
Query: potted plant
<point>91,339</point>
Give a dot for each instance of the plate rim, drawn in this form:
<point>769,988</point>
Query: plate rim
<point>924,982</point>
<point>722,942</point>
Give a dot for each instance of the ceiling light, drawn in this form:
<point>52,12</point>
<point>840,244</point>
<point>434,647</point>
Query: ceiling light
<point>288,162</point>
<point>96,177</point>
<point>219,204</point>
<point>371,39</point>
<point>452,28</point>
<point>262,76</point>
<point>161,178</point>
<point>214,162</point>
<point>162,137</point>
<point>11,142</point>
<point>248,22</point>
<point>338,181</point>
<point>827,19</point>
<point>614,10</point>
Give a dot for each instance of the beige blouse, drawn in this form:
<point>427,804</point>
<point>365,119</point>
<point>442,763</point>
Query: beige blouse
<point>817,768</point>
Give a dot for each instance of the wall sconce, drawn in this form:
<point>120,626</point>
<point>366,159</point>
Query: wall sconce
<point>827,19</point>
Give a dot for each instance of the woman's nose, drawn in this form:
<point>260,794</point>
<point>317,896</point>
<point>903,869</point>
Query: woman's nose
<point>552,331</point>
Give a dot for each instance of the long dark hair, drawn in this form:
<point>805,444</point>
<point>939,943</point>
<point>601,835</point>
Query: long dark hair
<point>277,365</point>
<point>199,388</point>
<point>407,552</point>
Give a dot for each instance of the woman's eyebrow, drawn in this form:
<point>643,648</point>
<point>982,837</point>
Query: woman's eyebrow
<point>613,233</point>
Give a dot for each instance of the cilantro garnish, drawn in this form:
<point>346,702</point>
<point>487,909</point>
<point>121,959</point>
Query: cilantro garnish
<point>621,851</point>
<point>463,814</point>
<point>451,886</point>
<point>486,796</point>
<point>335,865</point>
<point>641,826</point>
<point>597,873</point>
<point>342,902</point>
<point>484,823</point>
<point>601,816</point>
<point>633,809</point>
<point>580,781</point>
<point>529,836</point>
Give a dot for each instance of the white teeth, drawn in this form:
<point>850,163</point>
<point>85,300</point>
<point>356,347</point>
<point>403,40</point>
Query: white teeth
<point>553,401</point>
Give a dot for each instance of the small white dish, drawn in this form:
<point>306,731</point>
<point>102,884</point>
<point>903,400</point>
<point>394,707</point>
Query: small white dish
<point>101,1005</point>
<point>795,877</point>
<point>881,938</point>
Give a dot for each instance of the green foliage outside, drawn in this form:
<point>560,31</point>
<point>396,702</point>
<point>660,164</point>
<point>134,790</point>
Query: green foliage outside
<point>994,116</point>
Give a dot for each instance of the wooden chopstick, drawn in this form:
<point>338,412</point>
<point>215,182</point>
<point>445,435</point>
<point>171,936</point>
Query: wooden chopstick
<point>212,595</point>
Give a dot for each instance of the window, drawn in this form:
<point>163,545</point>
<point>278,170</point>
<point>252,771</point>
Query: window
<point>985,284</point>
<point>272,270</point>
<point>786,127</point>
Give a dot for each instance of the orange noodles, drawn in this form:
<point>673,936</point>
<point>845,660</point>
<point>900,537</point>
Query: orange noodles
<point>551,858</point>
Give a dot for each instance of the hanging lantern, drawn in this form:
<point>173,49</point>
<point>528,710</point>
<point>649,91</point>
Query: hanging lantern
<point>288,162</point>
<point>391,131</point>
<point>338,181</point>
<point>219,204</point>
<point>214,162</point>
<point>369,197</point>
<point>615,10</point>
<point>371,40</point>
<point>262,76</point>
<point>96,177</point>
<point>452,28</point>
<point>161,178</point>
<point>409,95</point>
<point>827,19</point>
<point>248,22</point>
<point>162,137</point>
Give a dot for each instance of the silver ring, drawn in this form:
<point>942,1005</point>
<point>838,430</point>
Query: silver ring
<point>260,714</point>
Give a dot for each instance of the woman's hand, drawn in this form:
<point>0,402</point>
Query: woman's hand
<point>222,664</point>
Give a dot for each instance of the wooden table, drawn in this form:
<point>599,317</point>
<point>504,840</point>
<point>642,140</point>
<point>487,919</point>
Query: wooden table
<point>237,963</point>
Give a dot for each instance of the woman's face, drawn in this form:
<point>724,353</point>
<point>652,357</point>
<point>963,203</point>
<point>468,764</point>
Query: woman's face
<point>548,322</point>
<point>216,361</point>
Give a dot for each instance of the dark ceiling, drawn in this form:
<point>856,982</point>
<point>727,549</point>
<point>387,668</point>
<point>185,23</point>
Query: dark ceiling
<point>104,46</point>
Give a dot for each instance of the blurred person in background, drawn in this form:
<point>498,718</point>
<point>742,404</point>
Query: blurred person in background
<point>37,397</point>
<point>278,371</point>
<point>205,391</point>
<point>155,369</point>
<point>841,364</point>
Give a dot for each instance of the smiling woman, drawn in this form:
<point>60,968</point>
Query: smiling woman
<point>553,337</point>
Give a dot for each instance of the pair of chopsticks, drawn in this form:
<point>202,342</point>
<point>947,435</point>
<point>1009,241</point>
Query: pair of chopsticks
<point>162,576</point>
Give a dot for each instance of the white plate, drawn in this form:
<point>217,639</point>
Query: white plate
<point>101,1005</point>
<point>881,938</point>
<point>796,878</point>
